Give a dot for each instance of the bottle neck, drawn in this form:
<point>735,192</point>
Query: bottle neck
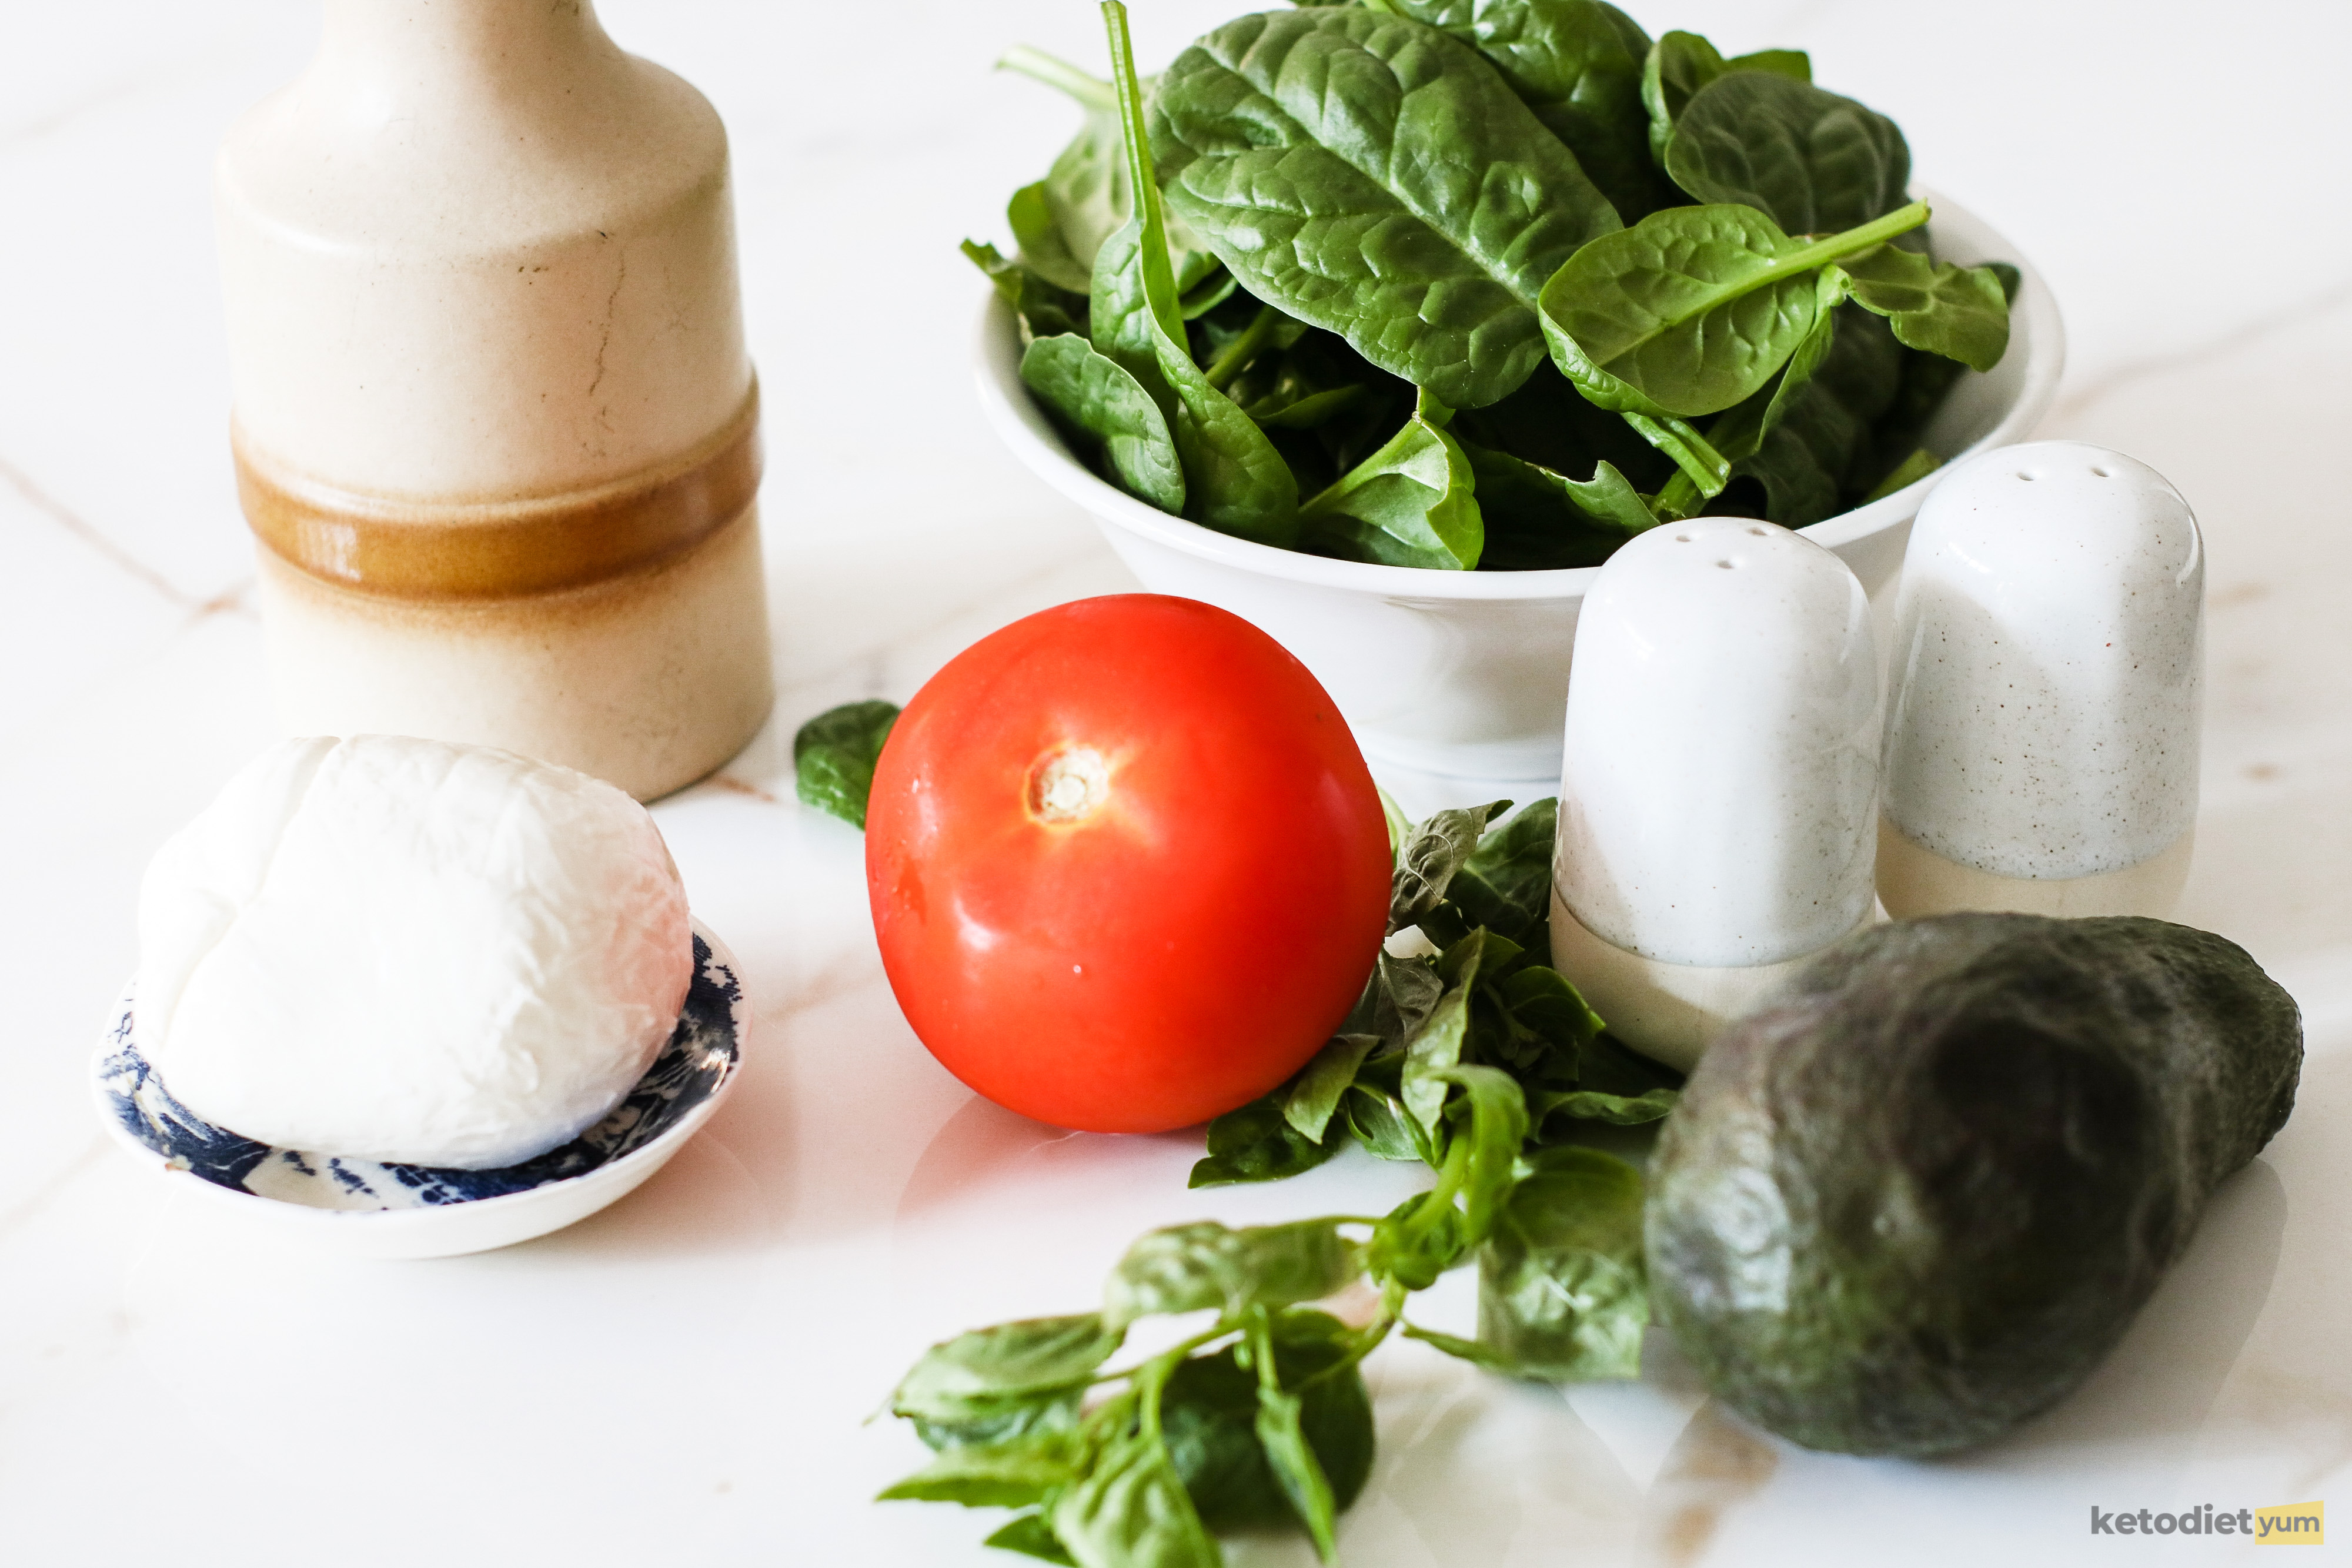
<point>394,59</point>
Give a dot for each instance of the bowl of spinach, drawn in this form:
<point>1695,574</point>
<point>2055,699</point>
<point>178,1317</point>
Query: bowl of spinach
<point>1382,325</point>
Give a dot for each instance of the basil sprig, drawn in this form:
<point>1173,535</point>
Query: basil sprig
<point>1473,1057</point>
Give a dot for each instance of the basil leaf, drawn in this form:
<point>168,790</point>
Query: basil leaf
<point>1257,1142</point>
<point>1680,64</point>
<point>1419,1239</point>
<point>1409,989</point>
<point>1409,504</point>
<point>1578,65</point>
<point>1043,309</point>
<point>1208,1414</point>
<point>1234,481</point>
<point>1590,1105</point>
<point>1505,882</point>
<point>1417,213</point>
<point>1315,1093</point>
<point>1379,1124</point>
<point>1958,312</point>
<point>1426,865</point>
<point>984,1420</point>
<point>993,1475</point>
<point>1432,1052</point>
<point>1543,999</point>
<point>1030,1535</point>
<point>1562,1293</point>
<point>1109,414</point>
<point>1132,1512</point>
<point>1282,1439</point>
<point>1811,162</point>
<point>1191,1267</point>
<point>1036,1355</point>
<point>833,756</point>
<point>1498,1125</point>
<point>1537,520</point>
<point>1610,1067</point>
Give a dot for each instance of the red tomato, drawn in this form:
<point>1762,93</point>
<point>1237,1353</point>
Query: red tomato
<point>1127,868</point>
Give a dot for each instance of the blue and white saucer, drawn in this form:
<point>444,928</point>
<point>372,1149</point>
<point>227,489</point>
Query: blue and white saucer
<point>369,1208</point>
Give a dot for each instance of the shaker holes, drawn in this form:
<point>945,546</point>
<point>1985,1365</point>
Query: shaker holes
<point>1725,565</point>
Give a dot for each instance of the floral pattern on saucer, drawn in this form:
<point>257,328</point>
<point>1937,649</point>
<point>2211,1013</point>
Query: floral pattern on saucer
<point>700,1055</point>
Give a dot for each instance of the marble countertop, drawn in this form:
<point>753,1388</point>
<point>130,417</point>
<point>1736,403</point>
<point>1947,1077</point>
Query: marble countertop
<point>683,1378</point>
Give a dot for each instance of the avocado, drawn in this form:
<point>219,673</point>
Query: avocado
<point>1915,1198</point>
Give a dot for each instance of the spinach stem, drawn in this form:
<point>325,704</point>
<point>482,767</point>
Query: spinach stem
<point>1037,64</point>
<point>1245,348</point>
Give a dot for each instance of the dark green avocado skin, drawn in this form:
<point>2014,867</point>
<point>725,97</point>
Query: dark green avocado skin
<point>1915,1198</point>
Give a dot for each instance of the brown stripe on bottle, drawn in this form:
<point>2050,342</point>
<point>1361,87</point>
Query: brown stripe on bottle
<point>501,549</point>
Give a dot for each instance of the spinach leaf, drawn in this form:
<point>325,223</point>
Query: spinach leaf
<point>1234,481</point>
<point>1108,414</point>
<point>1537,520</point>
<point>1961,313</point>
<point>1563,1293</point>
<point>1692,309</point>
<point>1811,162</point>
<point>1680,64</point>
<point>1821,450</point>
<point>1908,472</point>
<point>1045,308</point>
<point>833,756</point>
<point>1417,213</point>
<point>1412,503</point>
<point>1548,423</point>
<point>1258,1142</point>
<point>1191,1267</point>
<point>1062,219</point>
<point>1132,1511</point>
<point>1578,64</point>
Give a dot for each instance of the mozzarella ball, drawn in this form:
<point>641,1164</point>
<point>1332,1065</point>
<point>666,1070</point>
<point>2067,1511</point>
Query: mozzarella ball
<point>405,950</point>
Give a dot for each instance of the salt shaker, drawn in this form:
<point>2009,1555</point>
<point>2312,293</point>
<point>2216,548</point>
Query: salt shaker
<point>1719,781</point>
<point>495,430</point>
<point>2041,735</point>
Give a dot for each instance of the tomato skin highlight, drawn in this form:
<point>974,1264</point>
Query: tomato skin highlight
<point>1150,935</point>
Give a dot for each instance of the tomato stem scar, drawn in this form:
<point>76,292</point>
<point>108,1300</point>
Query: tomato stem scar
<point>1068,785</point>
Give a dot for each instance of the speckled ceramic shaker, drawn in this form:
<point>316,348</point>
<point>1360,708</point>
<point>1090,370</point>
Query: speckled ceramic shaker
<point>495,432</point>
<point>2041,736</point>
<point>1719,778</point>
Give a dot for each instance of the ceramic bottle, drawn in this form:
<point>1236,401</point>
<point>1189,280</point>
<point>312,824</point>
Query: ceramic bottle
<point>495,429</point>
<point>2041,735</point>
<point>1718,785</point>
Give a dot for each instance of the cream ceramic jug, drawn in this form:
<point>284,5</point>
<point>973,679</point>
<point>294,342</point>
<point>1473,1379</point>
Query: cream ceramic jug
<point>496,432</point>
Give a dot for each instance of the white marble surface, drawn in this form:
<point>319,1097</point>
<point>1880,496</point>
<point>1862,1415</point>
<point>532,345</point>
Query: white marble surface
<point>683,1378</point>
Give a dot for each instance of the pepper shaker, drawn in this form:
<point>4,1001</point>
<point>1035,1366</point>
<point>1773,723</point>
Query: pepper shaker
<point>2041,742</point>
<point>1719,778</point>
<point>495,432</point>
